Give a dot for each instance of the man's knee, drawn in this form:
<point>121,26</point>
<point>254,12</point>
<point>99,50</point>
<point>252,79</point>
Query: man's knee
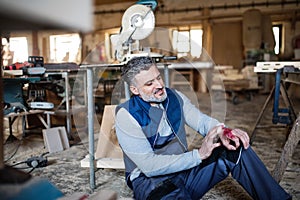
<point>162,189</point>
<point>224,154</point>
<point>234,156</point>
<point>169,190</point>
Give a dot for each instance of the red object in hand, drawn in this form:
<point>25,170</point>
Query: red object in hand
<point>227,132</point>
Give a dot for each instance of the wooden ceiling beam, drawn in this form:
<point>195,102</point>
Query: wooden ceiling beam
<point>104,2</point>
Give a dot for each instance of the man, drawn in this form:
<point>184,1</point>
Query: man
<point>151,133</point>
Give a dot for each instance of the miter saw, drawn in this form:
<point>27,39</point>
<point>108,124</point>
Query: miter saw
<point>138,22</point>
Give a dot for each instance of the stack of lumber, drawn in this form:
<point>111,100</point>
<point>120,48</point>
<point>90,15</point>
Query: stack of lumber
<point>228,78</point>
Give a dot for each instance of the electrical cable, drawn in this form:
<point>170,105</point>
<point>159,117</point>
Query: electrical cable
<point>22,167</point>
<point>14,153</point>
<point>22,162</point>
<point>31,170</point>
<point>43,154</point>
<point>33,163</point>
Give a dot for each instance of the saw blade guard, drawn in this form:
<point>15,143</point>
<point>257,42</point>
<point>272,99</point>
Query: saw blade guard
<point>138,22</point>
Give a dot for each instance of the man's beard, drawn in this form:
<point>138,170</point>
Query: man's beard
<point>152,99</point>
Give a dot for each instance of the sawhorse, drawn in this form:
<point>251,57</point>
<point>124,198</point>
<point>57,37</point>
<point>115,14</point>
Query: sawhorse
<point>289,114</point>
<point>289,117</point>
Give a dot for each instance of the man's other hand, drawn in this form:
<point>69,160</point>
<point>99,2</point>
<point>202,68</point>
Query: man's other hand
<point>210,142</point>
<point>231,138</point>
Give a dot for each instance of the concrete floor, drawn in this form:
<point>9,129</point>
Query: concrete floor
<point>65,172</point>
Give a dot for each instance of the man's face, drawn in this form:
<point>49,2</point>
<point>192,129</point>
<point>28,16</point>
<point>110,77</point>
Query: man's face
<point>149,86</point>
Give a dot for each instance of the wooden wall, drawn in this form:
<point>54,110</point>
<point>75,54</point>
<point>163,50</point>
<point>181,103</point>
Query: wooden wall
<point>227,47</point>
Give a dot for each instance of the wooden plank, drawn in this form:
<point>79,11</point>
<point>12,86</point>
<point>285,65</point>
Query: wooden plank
<point>108,145</point>
<point>52,140</point>
<point>288,150</point>
<point>273,66</point>
<point>12,72</point>
<point>104,195</point>
<point>105,163</point>
<point>113,163</point>
<point>56,139</point>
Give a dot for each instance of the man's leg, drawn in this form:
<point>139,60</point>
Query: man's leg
<point>245,167</point>
<point>161,187</point>
<point>252,174</point>
<point>195,182</point>
<point>202,178</point>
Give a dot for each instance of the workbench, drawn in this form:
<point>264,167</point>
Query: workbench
<point>13,116</point>
<point>281,116</point>
<point>189,69</point>
<point>67,75</point>
<point>14,93</point>
<point>232,83</point>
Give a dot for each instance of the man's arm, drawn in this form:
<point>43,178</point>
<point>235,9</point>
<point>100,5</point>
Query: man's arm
<point>212,129</point>
<point>136,146</point>
<point>197,120</point>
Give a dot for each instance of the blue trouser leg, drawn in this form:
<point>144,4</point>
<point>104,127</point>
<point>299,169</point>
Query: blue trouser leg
<point>190,184</point>
<point>160,187</point>
<point>251,173</point>
<point>247,169</point>
<point>201,180</point>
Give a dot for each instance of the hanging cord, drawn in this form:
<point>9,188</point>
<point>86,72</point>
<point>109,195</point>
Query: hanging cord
<point>14,153</point>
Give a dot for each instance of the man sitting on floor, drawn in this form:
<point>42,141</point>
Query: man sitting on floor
<point>150,127</point>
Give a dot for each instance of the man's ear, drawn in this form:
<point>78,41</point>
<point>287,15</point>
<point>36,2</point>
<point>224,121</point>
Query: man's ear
<point>134,90</point>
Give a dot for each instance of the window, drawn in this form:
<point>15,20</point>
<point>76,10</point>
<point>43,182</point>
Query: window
<point>15,50</point>
<point>277,31</point>
<point>65,48</point>
<point>113,38</point>
<point>188,42</point>
<point>196,42</point>
<point>182,41</point>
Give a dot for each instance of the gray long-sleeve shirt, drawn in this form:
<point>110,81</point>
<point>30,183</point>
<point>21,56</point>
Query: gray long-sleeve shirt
<point>136,146</point>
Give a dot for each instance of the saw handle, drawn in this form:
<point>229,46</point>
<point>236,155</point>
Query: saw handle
<point>170,57</point>
<point>152,3</point>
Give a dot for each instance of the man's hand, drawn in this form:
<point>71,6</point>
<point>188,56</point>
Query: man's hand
<point>210,142</point>
<point>231,138</point>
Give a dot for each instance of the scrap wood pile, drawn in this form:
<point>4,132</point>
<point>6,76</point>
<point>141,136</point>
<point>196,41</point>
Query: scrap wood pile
<point>233,81</point>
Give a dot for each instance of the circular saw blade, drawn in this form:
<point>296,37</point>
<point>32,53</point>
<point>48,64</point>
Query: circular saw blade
<point>139,20</point>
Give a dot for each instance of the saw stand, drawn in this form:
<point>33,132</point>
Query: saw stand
<point>285,116</point>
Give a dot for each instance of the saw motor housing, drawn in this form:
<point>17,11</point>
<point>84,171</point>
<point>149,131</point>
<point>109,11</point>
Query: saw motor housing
<point>138,22</point>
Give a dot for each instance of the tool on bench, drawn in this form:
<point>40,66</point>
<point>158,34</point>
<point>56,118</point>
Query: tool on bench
<point>138,22</point>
